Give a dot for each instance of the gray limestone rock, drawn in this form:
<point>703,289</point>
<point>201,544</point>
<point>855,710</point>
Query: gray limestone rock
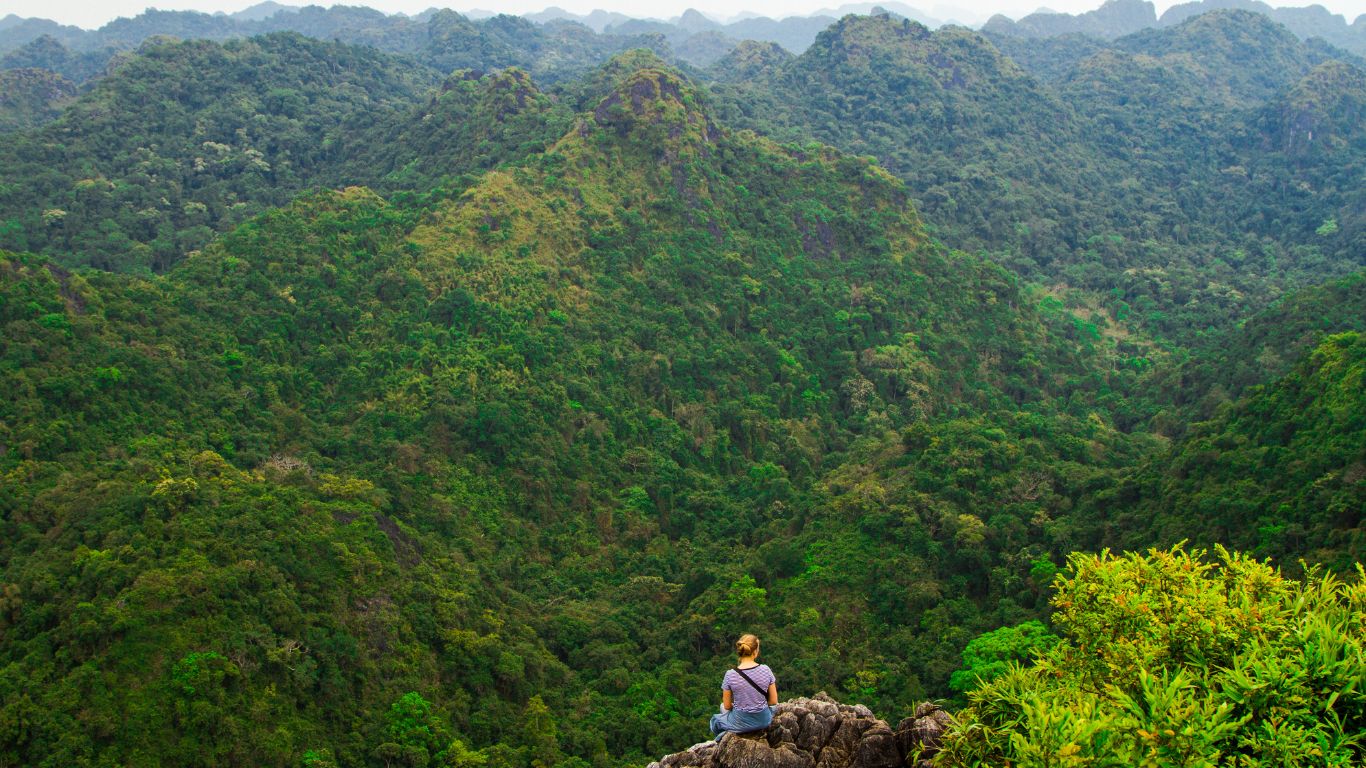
<point>922,733</point>
<point>751,750</point>
<point>877,748</point>
<point>819,732</point>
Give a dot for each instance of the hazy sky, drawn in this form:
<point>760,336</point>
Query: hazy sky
<point>93,13</point>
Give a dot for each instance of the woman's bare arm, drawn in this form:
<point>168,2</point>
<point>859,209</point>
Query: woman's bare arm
<point>772,694</point>
<point>725,699</point>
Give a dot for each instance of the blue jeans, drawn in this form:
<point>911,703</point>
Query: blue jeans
<point>740,721</point>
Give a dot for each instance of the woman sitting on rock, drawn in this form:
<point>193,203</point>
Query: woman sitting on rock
<point>747,691</point>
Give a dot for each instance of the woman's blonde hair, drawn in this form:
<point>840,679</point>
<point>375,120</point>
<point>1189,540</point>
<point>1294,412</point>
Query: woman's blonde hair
<point>747,645</point>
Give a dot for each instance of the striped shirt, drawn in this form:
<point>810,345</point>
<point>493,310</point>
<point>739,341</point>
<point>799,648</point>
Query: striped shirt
<point>742,695</point>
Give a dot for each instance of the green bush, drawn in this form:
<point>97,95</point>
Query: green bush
<point>1172,659</point>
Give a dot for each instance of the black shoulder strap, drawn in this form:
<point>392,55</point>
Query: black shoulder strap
<point>751,682</point>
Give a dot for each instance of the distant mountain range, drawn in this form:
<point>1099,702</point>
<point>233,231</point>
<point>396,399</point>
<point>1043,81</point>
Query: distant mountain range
<point>696,38</point>
<point>449,392</point>
<point>1117,18</point>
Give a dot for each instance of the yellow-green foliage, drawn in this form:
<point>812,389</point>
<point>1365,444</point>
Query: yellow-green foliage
<point>646,156</point>
<point>480,452</point>
<point>495,473</point>
<point>1171,658</point>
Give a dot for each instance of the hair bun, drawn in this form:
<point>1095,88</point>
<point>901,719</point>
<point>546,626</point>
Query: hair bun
<point>747,645</point>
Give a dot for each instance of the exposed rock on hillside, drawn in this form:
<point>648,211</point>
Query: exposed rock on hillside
<point>819,732</point>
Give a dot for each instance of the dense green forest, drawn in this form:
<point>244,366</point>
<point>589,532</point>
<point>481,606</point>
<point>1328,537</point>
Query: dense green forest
<point>188,139</point>
<point>1169,177</point>
<point>31,97</point>
<point>374,402</point>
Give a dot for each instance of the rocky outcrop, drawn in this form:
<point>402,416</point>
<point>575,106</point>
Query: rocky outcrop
<point>819,732</point>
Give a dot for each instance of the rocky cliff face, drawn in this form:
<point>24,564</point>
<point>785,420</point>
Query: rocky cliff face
<point>819,732</point>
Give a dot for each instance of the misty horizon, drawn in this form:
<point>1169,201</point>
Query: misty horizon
<point>96,15</point>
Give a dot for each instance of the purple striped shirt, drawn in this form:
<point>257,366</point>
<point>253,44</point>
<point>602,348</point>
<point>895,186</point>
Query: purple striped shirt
<point>742,695</point>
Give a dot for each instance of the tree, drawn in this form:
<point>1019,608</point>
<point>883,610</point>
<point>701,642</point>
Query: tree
<point>413,735</point>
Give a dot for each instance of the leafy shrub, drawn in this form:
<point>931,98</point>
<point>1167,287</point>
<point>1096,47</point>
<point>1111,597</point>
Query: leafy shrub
<point>1170,659</point>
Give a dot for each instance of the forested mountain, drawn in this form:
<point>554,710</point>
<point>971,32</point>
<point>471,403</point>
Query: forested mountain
<point>16,31</point>
<point>1114,18</point>
<point>473,123</point>
<point>549,44</point>
<point>187,139</point>
<point>1306,22</point>
<point>1143,177</point>
<point>443,39</point>
<point>620,358</point>
<point>1281,472</point>
<point>1117,18</point>
<point>688,32</point>
<point>452,394</point>
<point>1260,350</point>
<point>31,97</point>
<point>46,52</point>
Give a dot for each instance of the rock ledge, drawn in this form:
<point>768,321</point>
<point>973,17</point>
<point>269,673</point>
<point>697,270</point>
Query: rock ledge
<point>819,732</point>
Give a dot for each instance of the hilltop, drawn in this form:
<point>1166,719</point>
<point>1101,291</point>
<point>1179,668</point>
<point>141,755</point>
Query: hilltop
<point>1118,18</point>
<point>585,375</point>
<point>453,393</point>
<point>580,42</point>
<point>1133,179</point>
<point>189,138</point>
<point>1116,183</point>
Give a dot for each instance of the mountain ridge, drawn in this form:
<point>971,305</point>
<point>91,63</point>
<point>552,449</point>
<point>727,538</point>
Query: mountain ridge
<point>655,335</point>
<point>401,33</point>
<point>1117,18</point>
<point>362,414</point>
